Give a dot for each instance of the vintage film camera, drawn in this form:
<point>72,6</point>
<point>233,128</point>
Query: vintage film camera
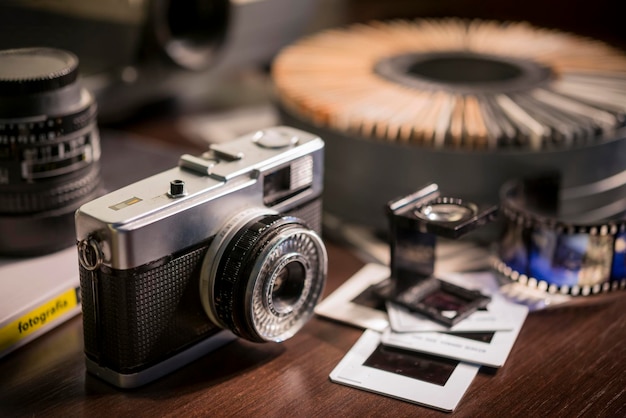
<point>179,263</point>
<point>415,222</point>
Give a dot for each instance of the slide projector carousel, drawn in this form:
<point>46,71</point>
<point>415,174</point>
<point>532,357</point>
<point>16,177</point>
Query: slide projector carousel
<point>467,104</point>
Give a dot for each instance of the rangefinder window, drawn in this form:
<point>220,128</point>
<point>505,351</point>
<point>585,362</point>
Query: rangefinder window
<point>288,181</point>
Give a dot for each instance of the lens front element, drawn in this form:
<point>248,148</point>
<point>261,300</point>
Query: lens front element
<point>263,275</point>
<point>286,286</point>
<point>288,283</point>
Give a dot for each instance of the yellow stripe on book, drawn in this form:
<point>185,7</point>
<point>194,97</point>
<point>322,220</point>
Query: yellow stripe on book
<point>37,318</point>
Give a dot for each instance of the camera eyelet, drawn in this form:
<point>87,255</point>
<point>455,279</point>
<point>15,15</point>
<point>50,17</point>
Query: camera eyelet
<point>90,254</point>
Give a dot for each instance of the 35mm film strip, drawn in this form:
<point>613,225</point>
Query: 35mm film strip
<point>542,251</point>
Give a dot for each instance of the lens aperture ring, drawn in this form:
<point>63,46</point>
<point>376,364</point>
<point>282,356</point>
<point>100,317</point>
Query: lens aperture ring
<point>47,147</point>
<point>49,162</point>
<point>43,129</point>
<point>231,285</point>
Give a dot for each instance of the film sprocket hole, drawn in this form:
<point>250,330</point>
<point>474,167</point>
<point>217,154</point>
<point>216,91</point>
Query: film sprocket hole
<point>415,222</point>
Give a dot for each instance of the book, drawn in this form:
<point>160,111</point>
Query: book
<point>37,295</point>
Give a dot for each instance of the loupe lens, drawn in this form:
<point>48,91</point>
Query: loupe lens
<point>444,212</point>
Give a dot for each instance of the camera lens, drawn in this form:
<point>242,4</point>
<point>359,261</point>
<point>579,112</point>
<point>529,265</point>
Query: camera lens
<point>49,150</point>
<point>288,286</point>
<point>263,275</point>
<point>191,31</point>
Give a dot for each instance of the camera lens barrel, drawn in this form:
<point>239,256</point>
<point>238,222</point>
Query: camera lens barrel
<point>263,277</point>
<point>190,32</point>
<point>49,149</point>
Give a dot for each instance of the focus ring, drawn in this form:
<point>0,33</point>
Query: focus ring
<point>229,288</point>
<point>51,197</point>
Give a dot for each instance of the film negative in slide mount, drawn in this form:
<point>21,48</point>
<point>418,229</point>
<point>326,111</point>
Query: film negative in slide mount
<point>467,104</point>
<point>555,253</point>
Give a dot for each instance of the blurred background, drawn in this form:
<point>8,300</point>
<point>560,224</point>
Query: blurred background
<point>194,72</point>
<point>144,58</point>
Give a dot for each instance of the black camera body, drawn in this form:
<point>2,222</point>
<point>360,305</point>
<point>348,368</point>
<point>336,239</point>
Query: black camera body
<point>225,245</point>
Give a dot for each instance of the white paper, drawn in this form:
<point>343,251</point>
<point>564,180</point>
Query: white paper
<point>492,353</point>
<point>339,305</point>
<point>444,395</point>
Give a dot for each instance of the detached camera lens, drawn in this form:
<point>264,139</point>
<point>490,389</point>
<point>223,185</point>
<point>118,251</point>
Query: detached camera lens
<point>191,32</point>
<point>445,212</point>
<point>49,150</point>
<point>263,277</point>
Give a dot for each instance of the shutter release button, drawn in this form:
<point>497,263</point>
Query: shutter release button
<point>274,139</point>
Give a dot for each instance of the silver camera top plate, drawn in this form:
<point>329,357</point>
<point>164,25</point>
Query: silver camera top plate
<point>150,219</point>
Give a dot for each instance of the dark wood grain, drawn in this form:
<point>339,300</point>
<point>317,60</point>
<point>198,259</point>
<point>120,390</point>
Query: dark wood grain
<point>567,362</point>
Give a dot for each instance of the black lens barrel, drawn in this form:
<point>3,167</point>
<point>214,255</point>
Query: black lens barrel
<point>234,273</point>
<point>49,150</point>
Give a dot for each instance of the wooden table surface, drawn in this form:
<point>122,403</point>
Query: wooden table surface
<point>567,362</point>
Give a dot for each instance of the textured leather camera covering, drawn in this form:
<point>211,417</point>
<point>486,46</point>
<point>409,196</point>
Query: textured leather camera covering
<point>144,315</point>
